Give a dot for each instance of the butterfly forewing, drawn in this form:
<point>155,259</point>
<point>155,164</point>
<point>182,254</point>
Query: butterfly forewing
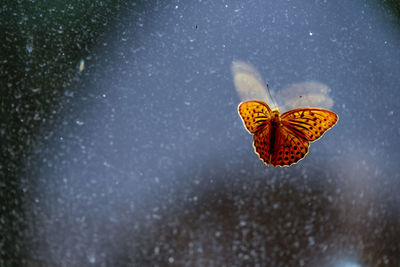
<point>309,123</point>
<point>255,115</point>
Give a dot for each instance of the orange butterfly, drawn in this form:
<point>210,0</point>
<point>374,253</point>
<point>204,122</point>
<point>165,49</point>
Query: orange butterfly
<point>281,140</point>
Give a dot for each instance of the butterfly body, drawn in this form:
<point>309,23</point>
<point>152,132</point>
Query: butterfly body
<point>282,140</point>
<point>275,125</point>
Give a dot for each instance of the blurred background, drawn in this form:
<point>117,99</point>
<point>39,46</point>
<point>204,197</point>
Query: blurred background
<point>121,144</point>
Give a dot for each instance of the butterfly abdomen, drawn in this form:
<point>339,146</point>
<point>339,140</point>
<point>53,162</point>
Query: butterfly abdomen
<point>275,124</point>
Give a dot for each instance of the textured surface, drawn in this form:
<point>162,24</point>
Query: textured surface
<point>121,144</point>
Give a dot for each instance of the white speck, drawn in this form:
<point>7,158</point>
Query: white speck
<point>346,263</point>
<point>35,90</point>
<point>195,198</point>
<point>311,241</point>
<point>176,7</point>
<point>104,95</point>
<point>242,223</point>
<point>81,65</point>
<point>159,34</point>
<point>275,206</point>
<point>156,250</point>
<point>80,123</point>
<point>310,33</point>
<point>236,10</point>
<point>29,48</point>
<point>106,164</point>
<point>385,259</point>
<point>69,93</point>
<point>92,258</point>
<point>17,95</point>
<point>218,234</point>
<point>171,260</point>
<point>187,103</point>
<point>138,49</point>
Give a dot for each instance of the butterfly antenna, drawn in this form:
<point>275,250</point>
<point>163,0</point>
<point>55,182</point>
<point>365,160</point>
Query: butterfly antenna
<point>271,98</point>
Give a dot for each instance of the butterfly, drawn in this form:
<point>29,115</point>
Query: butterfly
<point>282,140</point>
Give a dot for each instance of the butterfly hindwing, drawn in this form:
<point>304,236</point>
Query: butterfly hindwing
<point>309,123</point>
<point>255,115</point>
<point>289,148</point>
<point>261,144</point>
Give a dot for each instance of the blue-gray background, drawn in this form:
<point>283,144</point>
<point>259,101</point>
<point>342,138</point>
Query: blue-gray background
<point>141,158</point>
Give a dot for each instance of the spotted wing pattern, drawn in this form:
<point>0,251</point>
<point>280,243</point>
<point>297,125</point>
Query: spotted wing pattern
<point>309,123</point>
<point>289,148</point>
<point>261,144</point>
<point>255,115</point>
<point>284,140</point>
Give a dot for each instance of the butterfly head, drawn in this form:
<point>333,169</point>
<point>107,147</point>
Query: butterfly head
<point>275,114</point>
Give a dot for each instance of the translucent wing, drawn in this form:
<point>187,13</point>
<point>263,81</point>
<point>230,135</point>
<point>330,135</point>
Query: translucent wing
<point>309,123</point>
<point>249,84</point>
<point>261,144</point>
<point>288,147</point>
<point>304,94</point>
<point>255,115</point>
